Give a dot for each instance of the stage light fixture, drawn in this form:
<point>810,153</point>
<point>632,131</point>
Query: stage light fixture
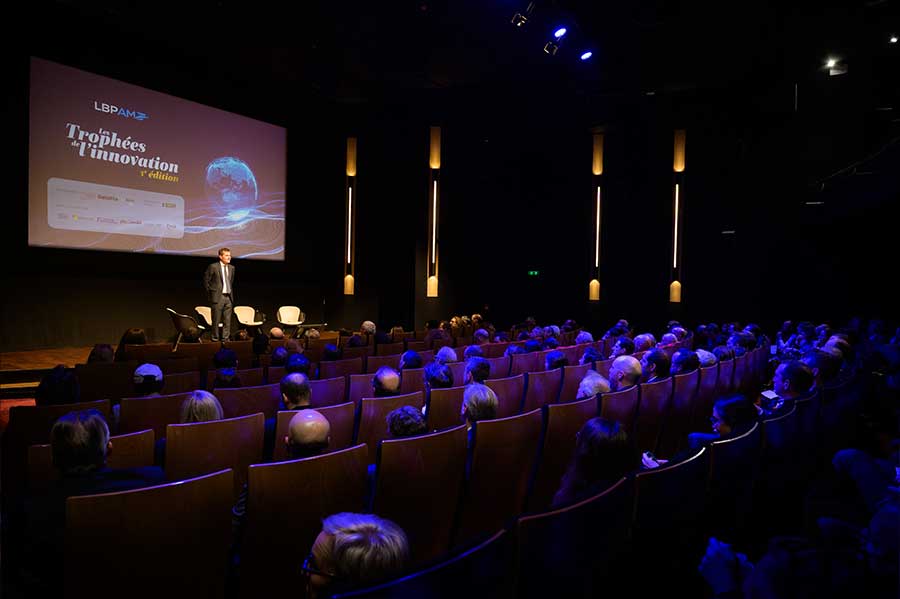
<point>586,55</point>
<point>893,39</point>
<point>521,19</point>
<point>830,63</point>
<point>551,48</point>
<point>559,32</point>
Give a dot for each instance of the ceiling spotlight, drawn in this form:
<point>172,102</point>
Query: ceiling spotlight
<point>559,32</point>
<point>587,55</point>
<point>520,19</point>
<point>830,63</point>
<point>893,39</point>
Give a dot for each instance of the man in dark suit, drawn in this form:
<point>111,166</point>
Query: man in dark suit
<point>219,284</point>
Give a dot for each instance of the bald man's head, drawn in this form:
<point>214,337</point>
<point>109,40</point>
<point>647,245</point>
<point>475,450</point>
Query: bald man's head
<point>308,434</point>
<point>624,372</point>
<point>386,382</point>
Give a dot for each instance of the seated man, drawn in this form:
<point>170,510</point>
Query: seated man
<point>592,384</point>
<point>295,395</point>
<point>683,361</point>
<point>79,444</point>
<point>386,382</point>
<point>406,421</point>
<point>623,347</point>
<point>624,372</point>
<point>148,380</point>
<point>550,343</point>
<point>590,356</point>
<point>707,358</point>
<point>298,363</point>
<point>584,337</point>
<point>225,361</point>
<point>644,342</point>
<point>513,350</point>
<point>655,365</point>
<point>473,351</point>
<point>279,357</point>
<point>276,333</point>
<point>295,391</point>
<point>438,376</point>
<point>481,336</point>
<point>793,380</point>
<point>355,550</point>
<point>667,339</point>
<point>825,365</point>
<point>555,359</point>
<point>477,370</point>
<point>309,434</point>
<point>410,359</point>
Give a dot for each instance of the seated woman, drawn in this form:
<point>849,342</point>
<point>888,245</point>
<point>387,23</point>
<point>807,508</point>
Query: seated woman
<point>731,416</point>
<point>603,455</point>
<point>200,406</point>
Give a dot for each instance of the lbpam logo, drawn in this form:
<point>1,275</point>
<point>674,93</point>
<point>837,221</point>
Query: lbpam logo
<point>123,112</point>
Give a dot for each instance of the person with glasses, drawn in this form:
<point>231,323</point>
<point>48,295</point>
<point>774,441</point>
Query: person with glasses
<point>352,551</point>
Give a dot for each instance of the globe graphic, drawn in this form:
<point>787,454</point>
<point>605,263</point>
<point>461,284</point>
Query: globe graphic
<point>231,187</point>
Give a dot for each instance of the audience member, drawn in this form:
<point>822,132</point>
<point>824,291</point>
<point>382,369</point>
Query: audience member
<point>707,358</point>
<point>133,336</point>
<point>276,333</point>
<point>825,365</point>
<point>386,382</point>
<point>603,455</point>
<point>477,370</point>
<point>58,387</point>
<point>479,403</point>
<point>723,352</point>
<point>200,406</point>
<point>584,337</point>
<point>555,359</point>
<point>623,347</point>
<point>298,363</point>
<point>279,357</point>
<point>624,372</point>
<point>793,380</point>
<point>480,337</point>
<point>667,340</point>
<point>355,550</point>
<point>225,361</point>
<point>590,356</point>
<point>295,391</point>
<point>513,350</point>
<point>79,445</point>
<point>330,353</point>
<point>644,342</point>
<point>731,417</point>
<point>406,421</point>
<point>148,380</point>
<point>445,355</point>
<point>550,343</point>
<point>101,353</point>
<point>684,361</point>
<point>473,351</point>
<point>655,365</point>
<point>438,376</point>
<point>592,384</point>
<point>410,359</point>
<point>309,434</point>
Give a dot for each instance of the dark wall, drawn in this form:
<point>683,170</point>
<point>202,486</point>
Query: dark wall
<point>516,196</point>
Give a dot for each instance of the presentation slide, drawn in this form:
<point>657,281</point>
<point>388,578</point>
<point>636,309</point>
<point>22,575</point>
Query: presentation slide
<point>113,166</point>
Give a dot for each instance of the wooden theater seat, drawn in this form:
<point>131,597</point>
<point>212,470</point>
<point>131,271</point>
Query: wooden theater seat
<point>373,413</point>
<point>158,541</point>
<point>203,447</point>
<point>286,504</point>
<point>509,393</point>
<point>139,413</point>
<point>417,486</point>
<point>327,392</point>
<point>542,388</point>
<point>445,407</point>
<point>562,423</point>
<point>502,459</point>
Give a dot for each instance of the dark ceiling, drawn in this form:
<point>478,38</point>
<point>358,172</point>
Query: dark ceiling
<point>363,51</point>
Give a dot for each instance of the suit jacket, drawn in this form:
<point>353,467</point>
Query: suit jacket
<point>212,282</point>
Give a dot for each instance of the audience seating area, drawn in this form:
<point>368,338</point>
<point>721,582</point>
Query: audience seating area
<point>475,513</point>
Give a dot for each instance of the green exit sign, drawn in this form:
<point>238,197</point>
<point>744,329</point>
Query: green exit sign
<point>533,273</point>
